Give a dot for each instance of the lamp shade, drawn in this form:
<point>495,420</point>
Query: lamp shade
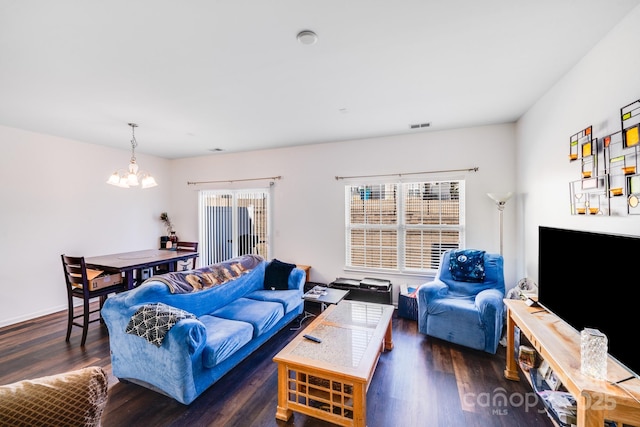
<point>501,198</point>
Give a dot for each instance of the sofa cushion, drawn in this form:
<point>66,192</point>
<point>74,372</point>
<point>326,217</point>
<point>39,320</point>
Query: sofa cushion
<point>467,265</point>
<point>261,314</point>
<point>276,275</point>
<point>75,398</point>
<point>224,337</point>
<point>290,299</point>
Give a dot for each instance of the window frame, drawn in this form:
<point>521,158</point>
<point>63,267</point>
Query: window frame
<point>401,227</point>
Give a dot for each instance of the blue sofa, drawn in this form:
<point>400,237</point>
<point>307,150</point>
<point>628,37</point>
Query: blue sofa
<point>468,311</point>
<point>178,333</point>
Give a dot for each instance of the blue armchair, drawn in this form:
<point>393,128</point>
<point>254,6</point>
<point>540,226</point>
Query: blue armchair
<point>465,308</point>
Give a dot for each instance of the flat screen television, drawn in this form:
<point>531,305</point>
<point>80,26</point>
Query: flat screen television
<point>592,280</point>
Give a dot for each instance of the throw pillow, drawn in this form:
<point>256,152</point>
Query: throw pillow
<point>276,275</point>
<point>153,321</point>
<point>467,265</point>
<point>75,398</point>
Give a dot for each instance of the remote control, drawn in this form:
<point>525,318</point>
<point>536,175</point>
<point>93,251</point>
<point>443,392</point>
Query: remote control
<point>312,338</point>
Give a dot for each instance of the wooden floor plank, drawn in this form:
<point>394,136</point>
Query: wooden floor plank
<point>423,381</point>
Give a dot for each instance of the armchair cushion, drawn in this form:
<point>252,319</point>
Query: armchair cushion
<point>467,265</point>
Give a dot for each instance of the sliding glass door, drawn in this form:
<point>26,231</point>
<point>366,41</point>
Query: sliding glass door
<point>233,223</point>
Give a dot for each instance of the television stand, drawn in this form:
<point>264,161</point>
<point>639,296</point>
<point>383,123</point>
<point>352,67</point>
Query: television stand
<point>615,399</point>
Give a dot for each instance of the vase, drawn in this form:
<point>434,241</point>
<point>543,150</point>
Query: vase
<point>174,240</point>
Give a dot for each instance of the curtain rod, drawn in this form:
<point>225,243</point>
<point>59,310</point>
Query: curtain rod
<point>475,169</point>
<point>233,180</point>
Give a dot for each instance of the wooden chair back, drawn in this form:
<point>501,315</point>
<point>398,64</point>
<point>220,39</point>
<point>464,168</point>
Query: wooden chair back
<point>191,247</point>
<point>77,283</point>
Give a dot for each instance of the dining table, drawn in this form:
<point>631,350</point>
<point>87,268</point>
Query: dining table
<point>132,264</point>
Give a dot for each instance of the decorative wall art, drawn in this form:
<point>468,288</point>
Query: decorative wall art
<point>609,183</point>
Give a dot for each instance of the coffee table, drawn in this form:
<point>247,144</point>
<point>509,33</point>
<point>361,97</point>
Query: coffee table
<point>329,380</point>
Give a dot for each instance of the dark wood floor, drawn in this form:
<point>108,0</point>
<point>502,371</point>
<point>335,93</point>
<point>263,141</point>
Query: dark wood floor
<point>421,382</point>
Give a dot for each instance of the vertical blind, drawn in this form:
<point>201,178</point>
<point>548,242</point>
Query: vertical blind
<point>233,223</point>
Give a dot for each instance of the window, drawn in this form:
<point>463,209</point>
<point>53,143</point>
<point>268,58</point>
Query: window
<point>403,227</point>
<point>233,223</point>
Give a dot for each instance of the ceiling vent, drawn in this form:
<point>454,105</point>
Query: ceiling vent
<point>420,125</point>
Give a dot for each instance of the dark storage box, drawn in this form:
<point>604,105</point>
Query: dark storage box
<point>407,305</point>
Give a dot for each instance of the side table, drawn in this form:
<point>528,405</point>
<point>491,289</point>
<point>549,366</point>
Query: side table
<point>329,296</point>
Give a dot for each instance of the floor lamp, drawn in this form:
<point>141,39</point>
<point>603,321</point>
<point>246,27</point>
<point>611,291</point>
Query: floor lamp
<point>501,200</point>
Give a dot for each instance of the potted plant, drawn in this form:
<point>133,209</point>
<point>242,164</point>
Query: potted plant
<point>172,239</point>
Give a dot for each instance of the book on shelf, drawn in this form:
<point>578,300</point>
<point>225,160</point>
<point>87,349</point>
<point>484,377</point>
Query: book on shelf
<point>561,405</point>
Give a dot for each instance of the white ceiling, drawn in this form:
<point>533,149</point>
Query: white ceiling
<point>201,74</point>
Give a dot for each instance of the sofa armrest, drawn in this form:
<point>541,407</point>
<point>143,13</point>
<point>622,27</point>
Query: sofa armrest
<point>297,278</point>
<point>433,290</point>
<point>190,333</point>
<point>489,303</point>
<point>427,293</point>
<point>75,398</point>
<point>132,355</point>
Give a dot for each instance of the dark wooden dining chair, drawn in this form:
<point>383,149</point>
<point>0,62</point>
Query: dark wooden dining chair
<point>76,279</point>
<point>189,264</point>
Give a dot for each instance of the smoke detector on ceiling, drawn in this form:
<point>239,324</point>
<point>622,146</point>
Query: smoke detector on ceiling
<point>307,37</point>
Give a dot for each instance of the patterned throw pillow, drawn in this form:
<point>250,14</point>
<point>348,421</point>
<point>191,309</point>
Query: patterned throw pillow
<point>153,321</point>
<point>467,265</point>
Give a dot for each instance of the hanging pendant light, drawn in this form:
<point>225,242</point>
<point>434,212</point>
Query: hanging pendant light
<point>132,177</point>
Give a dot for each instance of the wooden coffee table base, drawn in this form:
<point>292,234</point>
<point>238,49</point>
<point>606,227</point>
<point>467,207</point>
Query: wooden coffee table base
<point>322,395</point>
<point>334,393</point>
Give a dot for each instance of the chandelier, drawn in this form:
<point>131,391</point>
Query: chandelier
<point>132,177</point>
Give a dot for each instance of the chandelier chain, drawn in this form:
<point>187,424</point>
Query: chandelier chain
<point>134,143</point>
<point>132,176</point>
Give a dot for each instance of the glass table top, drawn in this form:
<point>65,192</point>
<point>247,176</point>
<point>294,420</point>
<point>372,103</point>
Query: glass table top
<point>339,346</point>
<point>346,332</point>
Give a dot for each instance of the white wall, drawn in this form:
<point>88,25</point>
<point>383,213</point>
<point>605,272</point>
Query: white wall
<point>54,200</point>
<point>591,94</point>
<point>309,201</point>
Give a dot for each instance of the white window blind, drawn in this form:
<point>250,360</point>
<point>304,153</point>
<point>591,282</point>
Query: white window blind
<point>233,223</point>
<point>403,227</point>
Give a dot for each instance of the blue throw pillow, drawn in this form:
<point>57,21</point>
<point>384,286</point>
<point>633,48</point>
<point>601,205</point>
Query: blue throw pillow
<point>467,265</point>
<point>276,275</point>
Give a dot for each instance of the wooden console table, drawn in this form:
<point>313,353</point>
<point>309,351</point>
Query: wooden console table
<point>559,344</point>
